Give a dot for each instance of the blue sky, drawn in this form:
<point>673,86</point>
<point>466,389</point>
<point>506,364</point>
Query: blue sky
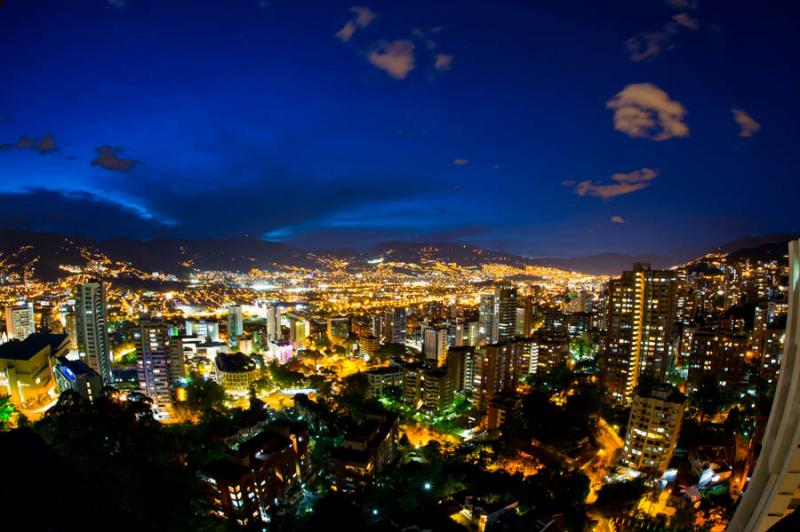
<point>542,127</point>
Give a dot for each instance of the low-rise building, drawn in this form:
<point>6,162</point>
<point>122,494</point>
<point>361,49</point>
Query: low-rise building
<point>236,371</point>
<point>367,450</point>
<point>382,378</point>
<point>76,376</point>
<point>26,367</point>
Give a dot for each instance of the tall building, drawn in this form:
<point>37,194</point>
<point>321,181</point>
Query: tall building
<point>338,328</point>
<point>504,325</point>
<point>274,324</point>
<point>774,489</point>
<point>437,389</point>
<point>394,326</point>
<point>498,368</point>
<point>653,428</point>
<point>719,354</point>
<point>91,327</point>
<point>641,316</point>
<point>20,322</point>
<point>473,333</point>
<point>485,318</point>
<point>524,316</point>
<point>461,365</point>
<point>235,323</point>
<point>153,364</point>
<point>434,344</point>
<point>299,330</point>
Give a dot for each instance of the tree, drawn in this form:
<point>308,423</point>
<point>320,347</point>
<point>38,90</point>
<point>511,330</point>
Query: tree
<point>204,396</point>
<point>390,350</point>
<point>619,498</point>
<point>7,412</point>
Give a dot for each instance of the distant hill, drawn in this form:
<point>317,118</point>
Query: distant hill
<point>39,255</point>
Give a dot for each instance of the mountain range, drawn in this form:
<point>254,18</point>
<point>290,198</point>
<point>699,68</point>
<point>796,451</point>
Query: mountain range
<point>42,254</point>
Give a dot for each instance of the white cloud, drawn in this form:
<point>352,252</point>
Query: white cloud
<point>396,58</point>
<point>617,219</point>
<point>363,18</point>
<point>443,62</point>
<point>619,184</point>
<point>747,124</point>
<point>642,110</point>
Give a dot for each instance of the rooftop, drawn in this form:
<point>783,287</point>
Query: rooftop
<point>34,343</point>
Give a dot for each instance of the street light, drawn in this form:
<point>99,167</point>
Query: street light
<point>427,486</point>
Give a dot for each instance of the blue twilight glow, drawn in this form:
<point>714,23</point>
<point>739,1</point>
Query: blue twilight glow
<point>541,127</point>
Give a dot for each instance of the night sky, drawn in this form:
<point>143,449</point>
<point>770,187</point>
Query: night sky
<point>545,128</point>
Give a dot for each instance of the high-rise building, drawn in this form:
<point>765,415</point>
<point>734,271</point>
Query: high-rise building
<point>434,344</point>
<point>485,318</point>
<point>653,428</point>
<point>235,323</point>
<point>299,330</point>
<point>473,333</point>
<point>719,354</point>
<point>461,365</point>
<point>20,322</point>
<point>524,316</point>
<point>338,328</point>
<point>504,325</point>
<point>274,324</point>
<point>91,327</point>
<point>497,370</point>
<point>394,326</point>
<point>774,488</point>
<point>437,389</point>
<point>641,315</point>
<point>153,364</point>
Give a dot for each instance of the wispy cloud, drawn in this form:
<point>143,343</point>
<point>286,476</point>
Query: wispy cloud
<point>362,18</point>
<point>396,57</point>
<point>617,220</point>
<point>747,124</point>
<point>646,45</point>
<point>108,158</point>
<point>45,144</point>
<point>443,62</point>
<point>117,4</point>
<point>460,162</point>
<point>619,184</point>
<point>643,110</point>
<point>681,5</point>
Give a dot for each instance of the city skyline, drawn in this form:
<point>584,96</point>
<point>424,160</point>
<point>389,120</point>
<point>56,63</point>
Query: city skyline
<point>550,129</point>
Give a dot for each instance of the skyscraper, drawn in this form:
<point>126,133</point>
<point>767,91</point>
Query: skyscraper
<point>91,327</point>
<point>504,325</point>
<point>394,326</point>
<point>235,323</point>
<point>653,428</point>
<point>486,318</point>
<point>274,323</point>
<point>497,370</point>
<point>434,344</point>
<point>641,315</point>
<point>19,321</point>
<point>153,364</point>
